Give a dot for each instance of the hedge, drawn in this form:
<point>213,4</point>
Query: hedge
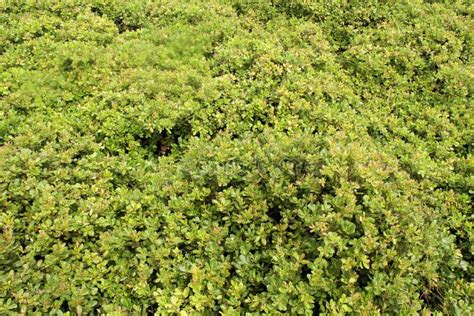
<point>236,157</point>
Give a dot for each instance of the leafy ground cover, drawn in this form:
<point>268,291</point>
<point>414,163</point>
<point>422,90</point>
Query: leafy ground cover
<point>236,157</point>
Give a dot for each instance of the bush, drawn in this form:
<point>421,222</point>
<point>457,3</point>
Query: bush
<point>236,157</point>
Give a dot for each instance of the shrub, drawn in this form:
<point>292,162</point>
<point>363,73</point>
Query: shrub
<point>236,157</point>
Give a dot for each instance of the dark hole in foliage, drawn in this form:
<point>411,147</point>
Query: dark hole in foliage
<point>79,155</point>
<point>318,66</point>
<point>194,19</point>
<point>67,65</point>
<point>151,310</point>
<point>399,65</point>
<point>405,140</point>
<point>154,276</point>
<point>364,278</point>
<point>419,132</point>
<point>123,27</point>
<point>183,248</point>
<point>66,239</point>
<point>360,193</point>
<point>391,177</point>
<point>267,264</point>
<point>234,183</point>
<point>274,213</point>
<point>274,102</point>
<point>119,212</point>
<point>261,122</point>
<point>212,196</point>
<point>140,228</point>
<point>258,288</point>
<point>247,64</point>
<point>463,244</point>
<point>410,169</point>
<point>120,25</point>
<point>390,264</point>
<point>96,11</point>
<point>160,143</point>
<point>74,207</point>
<point>463,150</point>
<point>39,257</point>
<point>326,190</point>
<point>232,271</point>
<point>316,308</point>
<point>305,272</point>
<point>443,187</point>
<point>342,38</point>
<point>234,136</point>
<point>238,9</point>
<point>431,297</point>
<point>64,306</point>
<point>374,132</point>
<point>302,192</point>
<point>302,168</point>
<point>132,247</point>
<point>209,55</point>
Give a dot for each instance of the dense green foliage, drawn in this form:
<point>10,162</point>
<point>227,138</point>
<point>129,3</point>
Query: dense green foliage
<point>236,157</point>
